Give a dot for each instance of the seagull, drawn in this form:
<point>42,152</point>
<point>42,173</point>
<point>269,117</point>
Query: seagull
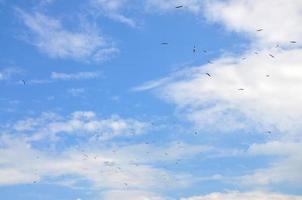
<point>260,30</point>
<point>293,42</point>
<point>194,49</point>
<point>241,89</point>
<point>178,6</point>
<point>164,43</point>
<point>208,74</point>
<point>23,82</point>
<point>205,51</point>
<point>271,55</point>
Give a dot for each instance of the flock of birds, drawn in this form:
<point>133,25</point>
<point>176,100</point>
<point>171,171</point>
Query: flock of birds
<point>194,50</point>
<point>111,164</point>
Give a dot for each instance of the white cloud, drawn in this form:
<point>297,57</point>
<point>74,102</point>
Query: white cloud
<point>21,164</point>
<point>52,38</point>
<point>113,9</point>
<point>79,123</point>
<point>112,168</point>
<point>259,93</point>
<point>130,195</point>
<point>107,168</point>
<point>7,73</point>
<point>169,153</point>
<point>74,76</point>
<point>285,170</point>
<point>246,16</point>
<point>244,196</point>
<point>76,92</point>
<point>216,100</point>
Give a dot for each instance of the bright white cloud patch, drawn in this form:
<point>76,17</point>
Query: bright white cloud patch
<point>244,196</point>
<point>52,38</point>
<point>279,19</point>
<point>268,84</point>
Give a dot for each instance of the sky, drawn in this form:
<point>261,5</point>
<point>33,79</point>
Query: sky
<point>140,100</point>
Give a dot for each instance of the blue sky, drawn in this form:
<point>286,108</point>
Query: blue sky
<point>94,107</point>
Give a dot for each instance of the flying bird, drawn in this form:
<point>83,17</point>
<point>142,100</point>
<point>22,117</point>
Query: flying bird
<point>178,6</point>
<point>208,74</point>
<point>241,89</point>
<point>23,82</point>
<point>194,49</point>
<point>293,42</point>
<point>164,43</point>
<point>271,55</point>
<point>261,29</point>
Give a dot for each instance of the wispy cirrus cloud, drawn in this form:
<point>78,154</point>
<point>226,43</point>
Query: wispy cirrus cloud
<point>7,73</point>
<point>52,38</point>
<point>76,92</point>
<point>83,123</point>
<point>74,76</point>
<point>113,9</point>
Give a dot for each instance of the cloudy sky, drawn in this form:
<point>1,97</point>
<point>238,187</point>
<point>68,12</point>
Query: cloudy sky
<point>140,100</point>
